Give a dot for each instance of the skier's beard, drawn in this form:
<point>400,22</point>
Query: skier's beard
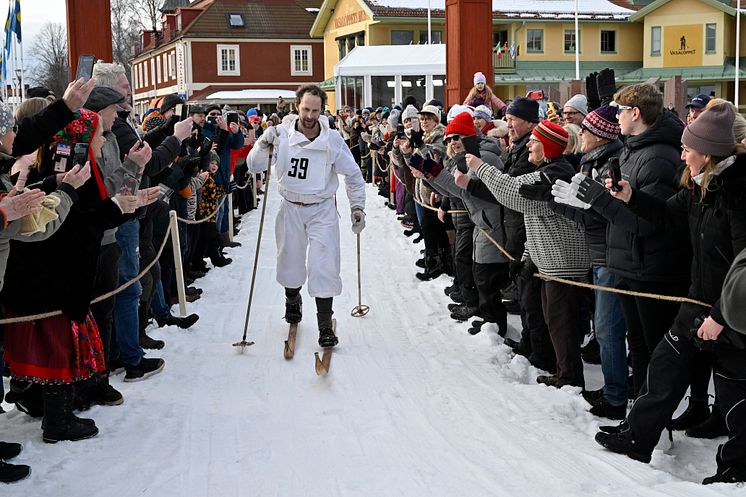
<point>309,124</point>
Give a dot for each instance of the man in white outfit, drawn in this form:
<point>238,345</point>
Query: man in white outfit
<point>308,156</point>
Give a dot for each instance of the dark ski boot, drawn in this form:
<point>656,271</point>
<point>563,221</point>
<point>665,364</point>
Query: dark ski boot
<point>293,305</point>
<point>324,313</point>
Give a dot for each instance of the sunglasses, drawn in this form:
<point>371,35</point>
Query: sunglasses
<point>454,138</point>
<point>620,108</point>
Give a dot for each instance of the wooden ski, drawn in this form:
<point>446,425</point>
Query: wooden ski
<point>323,362</point>
<point>290,342</point>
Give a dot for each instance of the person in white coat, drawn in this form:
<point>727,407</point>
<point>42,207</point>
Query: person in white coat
<point>308,156</point>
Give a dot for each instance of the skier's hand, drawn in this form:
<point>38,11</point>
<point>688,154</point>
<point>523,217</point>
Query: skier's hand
<point>269,137</point>
<point>358,220</point>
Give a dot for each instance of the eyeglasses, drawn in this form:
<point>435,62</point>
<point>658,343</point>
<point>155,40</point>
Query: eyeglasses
<point>214,114</point>
<point>454,138</point>
<point>620,108</point>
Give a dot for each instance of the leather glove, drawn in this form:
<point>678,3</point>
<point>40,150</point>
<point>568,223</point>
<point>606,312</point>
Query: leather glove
<point>540,190</point>
<point>358,220</point>
<point>591,90</point>
<point>427,165</point>
<point>588,190</point>
<point>606,85</point>
<point>269,137</point>
<point>415,139</point>
<point>565,193</point>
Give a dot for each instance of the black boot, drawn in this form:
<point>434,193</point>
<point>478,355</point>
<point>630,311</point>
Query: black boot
<point>696,413</point>
<point>104,394</point>
<point>434,266</point>
<point>712,427</point>
<point>293,305</point>
<point>726,475</point>
<point>624,443</point>
<point>464,312</point>
<point>9,450</point>
<point>59,421</point>
<point>10,473</point>
<point>183,323</point>
<point>324,313</point>
<point>147,342</point>
<point>446,258</point>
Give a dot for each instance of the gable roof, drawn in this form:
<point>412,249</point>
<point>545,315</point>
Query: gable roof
<point>262,19</point>
<point>640,14</point>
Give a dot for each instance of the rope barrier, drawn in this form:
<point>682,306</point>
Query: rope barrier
<point>124,286</point>
<point>669,298</point>
<point>205,219</point>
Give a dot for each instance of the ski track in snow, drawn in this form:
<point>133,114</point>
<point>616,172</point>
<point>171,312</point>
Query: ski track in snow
<point>412,406</point>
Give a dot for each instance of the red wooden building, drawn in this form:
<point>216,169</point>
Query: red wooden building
<point>237,52</point>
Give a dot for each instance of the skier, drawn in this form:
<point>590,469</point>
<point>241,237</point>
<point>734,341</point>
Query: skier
<point>308,156</point>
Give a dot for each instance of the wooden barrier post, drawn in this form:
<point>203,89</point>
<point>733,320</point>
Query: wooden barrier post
<point>178,267</point>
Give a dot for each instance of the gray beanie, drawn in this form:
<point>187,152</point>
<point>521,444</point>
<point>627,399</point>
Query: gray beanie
<point>579,103</point>
<point>394,118</point>
<point>409,112</point>
<point>7,121</point>
<point>712,132</point>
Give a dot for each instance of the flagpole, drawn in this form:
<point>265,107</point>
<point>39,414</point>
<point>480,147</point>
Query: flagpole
<point>577,43</point>
<point>430,26</point>
<point>738,52</point>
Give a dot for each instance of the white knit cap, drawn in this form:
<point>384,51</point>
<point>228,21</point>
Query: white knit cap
<point>409,113</point>
<point>456,110</point>
<point>579,103</point>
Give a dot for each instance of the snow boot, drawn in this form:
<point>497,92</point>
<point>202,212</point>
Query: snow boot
<point>727,475</point>
<point>10,473</point>
<point>712,427</point>
<point>696,413</point>
<point>624,443</point>
<point>104,394</point>
<point>183,323</point>
<point>9,450</point>
<point>293,305</point>
<point>464,312</point>
<point>59,422</point>
<point>324,314</point>
<point>603,409</point>
<point>434,266</point>
<point>613,429</point>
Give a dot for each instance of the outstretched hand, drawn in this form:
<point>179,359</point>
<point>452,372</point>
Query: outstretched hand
<point>77,93</point>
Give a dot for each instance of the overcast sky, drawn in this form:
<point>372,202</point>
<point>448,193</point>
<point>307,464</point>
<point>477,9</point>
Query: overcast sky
<point>34,13</point>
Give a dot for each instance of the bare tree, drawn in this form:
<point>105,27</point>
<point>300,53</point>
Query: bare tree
<point>148,13</point>
<point>124,31</point>
<point>50,50</point>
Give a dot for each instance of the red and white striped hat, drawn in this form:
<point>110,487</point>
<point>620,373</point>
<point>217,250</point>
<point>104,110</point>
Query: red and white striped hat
<point>553,136</point>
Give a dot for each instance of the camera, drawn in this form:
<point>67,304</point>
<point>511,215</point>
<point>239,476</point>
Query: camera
<point>615,173</point>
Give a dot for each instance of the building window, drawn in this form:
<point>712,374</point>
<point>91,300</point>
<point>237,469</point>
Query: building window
<point>570,40</point>
<point>436,37</point>
<point>152,71</point>
<point>535,40</point>
<point>608,41</point>
<point>158,69</point>
<point>172,65</point>
<point>655,40</point>
<point>399,37</point>
<point>144,69</point>
<point>235,20</point>
<point>710,40</point>
<point>301,60</point>
<point>228,60</point>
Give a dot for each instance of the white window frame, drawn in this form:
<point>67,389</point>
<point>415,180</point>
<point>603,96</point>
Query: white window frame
<point>309,51</point>
<point>237,55</point>
<point>172,65</point>
<point>158,69</point>
<point>152,70</point>
<point>144,69</point>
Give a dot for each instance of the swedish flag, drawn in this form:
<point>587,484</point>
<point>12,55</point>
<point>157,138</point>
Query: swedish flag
<point>17,20</point>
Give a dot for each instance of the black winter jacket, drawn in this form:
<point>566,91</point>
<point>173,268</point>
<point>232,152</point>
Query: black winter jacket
<point>515,229</point>
<point>595,225</point>
<point>717,233</point>
<point>636,248</point>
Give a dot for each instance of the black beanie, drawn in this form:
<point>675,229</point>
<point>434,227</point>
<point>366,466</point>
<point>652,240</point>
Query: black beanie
<point>524,108</point>
<point>169,102</point>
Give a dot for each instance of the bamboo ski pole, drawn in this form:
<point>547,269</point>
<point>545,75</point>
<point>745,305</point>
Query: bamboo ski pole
<point>243,343</point>
<point>360,310</point>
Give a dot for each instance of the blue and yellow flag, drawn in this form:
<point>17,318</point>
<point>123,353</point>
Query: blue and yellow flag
<point>17,20</point>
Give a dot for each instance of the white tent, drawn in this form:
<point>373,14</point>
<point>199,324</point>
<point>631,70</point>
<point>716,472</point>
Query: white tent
<point>380,75</point>
<point>250,96</point>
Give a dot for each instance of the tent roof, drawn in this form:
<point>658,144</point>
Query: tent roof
<point>391,60</point>
<point>251,95</point>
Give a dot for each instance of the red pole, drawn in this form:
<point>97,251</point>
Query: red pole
<point>88,31</point>
<point>468,46</point>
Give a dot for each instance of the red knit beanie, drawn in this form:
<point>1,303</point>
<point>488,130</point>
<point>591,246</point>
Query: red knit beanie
<point>462,124</point>
<point>553,137</point>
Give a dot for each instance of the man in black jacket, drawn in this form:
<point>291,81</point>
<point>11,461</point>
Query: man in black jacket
<point>644,257</point>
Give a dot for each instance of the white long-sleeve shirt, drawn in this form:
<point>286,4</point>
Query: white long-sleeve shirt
<point>307,170</point>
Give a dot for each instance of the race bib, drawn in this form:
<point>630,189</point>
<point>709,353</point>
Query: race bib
<point>304,170</point>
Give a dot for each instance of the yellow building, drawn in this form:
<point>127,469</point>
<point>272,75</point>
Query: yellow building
<point>695,39</point>
<point>533,46</point>
<point>534,42</point>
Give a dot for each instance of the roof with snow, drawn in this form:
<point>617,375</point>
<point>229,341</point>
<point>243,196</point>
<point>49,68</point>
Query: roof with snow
<point>391,60</point>
<point>522,9</point>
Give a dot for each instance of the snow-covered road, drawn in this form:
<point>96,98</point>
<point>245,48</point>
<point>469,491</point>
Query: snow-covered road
<point>413,406</point>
